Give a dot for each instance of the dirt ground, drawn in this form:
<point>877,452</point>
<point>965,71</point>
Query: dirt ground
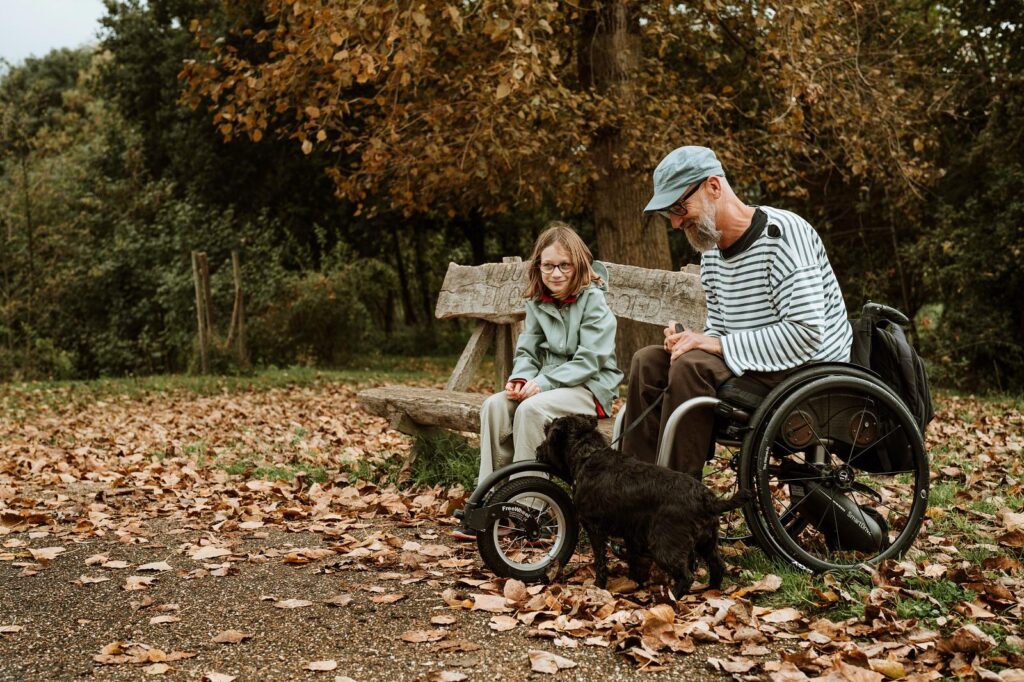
<point>67,623</point>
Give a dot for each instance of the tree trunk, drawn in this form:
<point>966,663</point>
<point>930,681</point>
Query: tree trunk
<point>423,276</point>
<point>403,281</point>
<point>474,230</point>
<point>609,55</point>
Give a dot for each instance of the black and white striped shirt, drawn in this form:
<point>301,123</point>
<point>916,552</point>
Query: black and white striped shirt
<point>773,299</point>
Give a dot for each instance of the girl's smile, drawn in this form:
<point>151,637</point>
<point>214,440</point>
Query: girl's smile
<point>556,270</point>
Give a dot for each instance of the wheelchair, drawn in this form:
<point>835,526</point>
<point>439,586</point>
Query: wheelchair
<point>835,460</point>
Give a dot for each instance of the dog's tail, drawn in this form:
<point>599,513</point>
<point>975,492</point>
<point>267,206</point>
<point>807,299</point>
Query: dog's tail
<point>721,506</point>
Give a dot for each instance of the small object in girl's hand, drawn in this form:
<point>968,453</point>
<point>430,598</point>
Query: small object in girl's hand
<point>680,328</point>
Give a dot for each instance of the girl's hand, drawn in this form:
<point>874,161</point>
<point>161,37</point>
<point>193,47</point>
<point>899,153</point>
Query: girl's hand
<point>530,388</point>
<point>513,389</point>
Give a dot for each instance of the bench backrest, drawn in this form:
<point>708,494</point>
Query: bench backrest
<point>494,292</point>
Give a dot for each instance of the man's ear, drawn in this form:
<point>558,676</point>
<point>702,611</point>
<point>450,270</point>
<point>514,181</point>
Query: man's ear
<point>713,187</point>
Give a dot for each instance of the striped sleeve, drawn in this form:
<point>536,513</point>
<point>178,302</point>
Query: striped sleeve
<point>790,313</point>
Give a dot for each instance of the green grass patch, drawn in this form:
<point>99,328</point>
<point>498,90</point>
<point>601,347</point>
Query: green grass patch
<point>29,395</point>
<point>444,459</point>
<point>796,589</point>
<point>946,595</point>
<point>276,472</point>
<point>941,493</point>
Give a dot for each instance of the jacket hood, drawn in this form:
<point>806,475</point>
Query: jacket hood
<point>601,270</point>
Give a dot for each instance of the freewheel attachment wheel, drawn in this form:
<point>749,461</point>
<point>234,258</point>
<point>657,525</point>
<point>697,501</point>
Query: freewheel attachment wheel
<point>536,529</point>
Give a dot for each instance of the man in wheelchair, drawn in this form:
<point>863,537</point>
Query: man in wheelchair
<point>773,305</point>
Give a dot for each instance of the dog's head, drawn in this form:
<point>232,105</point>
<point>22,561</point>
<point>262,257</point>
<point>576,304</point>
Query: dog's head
<point>559,438</point>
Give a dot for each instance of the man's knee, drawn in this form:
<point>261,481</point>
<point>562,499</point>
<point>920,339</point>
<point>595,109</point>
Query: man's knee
<point>695,367</point>
<point>646,357</point>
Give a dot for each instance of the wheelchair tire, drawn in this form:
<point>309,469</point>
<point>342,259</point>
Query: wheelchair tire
<point>511,549</point>
<point>840,475</point>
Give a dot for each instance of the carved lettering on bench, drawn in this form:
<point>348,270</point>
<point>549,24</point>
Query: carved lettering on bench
<point>493,292</point>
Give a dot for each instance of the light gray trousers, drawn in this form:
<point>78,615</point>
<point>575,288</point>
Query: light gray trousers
<point>510,431</point>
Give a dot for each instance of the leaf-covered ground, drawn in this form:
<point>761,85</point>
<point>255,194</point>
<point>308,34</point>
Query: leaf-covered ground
<point>247,528</point>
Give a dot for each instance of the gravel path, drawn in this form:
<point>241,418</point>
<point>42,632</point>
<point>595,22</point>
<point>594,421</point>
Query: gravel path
<point>67,624</point>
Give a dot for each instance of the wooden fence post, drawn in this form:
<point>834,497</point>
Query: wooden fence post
<point>236,332</point>
<point>201,314</point>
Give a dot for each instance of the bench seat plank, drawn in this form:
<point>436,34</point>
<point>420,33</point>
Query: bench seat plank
<point>454,410</point>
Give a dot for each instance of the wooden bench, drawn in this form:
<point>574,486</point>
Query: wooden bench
<point>492,295</point>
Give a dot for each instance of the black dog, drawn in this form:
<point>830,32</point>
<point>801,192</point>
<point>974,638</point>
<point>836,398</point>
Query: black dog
<point>660,514</point>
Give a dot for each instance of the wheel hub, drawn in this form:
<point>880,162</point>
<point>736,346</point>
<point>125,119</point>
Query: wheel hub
<point>843,477</point>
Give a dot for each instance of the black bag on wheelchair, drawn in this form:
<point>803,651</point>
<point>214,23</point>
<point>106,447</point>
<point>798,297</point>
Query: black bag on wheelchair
<point>880,345</point>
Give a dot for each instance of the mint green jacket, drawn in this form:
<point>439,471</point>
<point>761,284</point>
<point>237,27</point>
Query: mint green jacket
<point>571,346</point>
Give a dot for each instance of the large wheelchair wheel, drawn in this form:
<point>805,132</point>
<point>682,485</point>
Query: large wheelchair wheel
<point>839,472</point>
<point>538,531</point>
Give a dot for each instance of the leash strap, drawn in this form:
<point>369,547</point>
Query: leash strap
<point>639,420</point>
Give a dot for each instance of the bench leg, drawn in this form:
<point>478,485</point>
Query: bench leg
<point>401,422</point>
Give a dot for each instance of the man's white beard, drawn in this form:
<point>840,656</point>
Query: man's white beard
<point>703,235</point>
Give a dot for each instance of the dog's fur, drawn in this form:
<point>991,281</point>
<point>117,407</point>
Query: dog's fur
<point>662,515</point>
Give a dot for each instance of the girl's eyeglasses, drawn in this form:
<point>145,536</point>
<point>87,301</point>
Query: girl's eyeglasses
<point>564,268</point>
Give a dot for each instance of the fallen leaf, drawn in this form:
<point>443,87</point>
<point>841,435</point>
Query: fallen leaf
<point>230,637</point>
<point>549,663</point>
<point>339,600</point>
<point>503,623</point>
<point>515,591</point>
<point>444,619</point>
<point>417,636</point>
<point>156,566</point>
<point>219,677</point>
<point>292,604</point>
<point>321,666</point>
<point>10,629</point>
<point>894,670</point>
<point>156,669</point>
<point>46,554</point>
<point>445,676</point>
<point>209,552</point>
<point>490,602</point>
<point>89,580</point>
<point>784,615</point>
<point>733,664</point>
<point>137,582</point>
<point>160,620</point>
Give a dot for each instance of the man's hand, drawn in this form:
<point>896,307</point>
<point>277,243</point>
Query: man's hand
<point>685,341</point>
<point>516,390</point>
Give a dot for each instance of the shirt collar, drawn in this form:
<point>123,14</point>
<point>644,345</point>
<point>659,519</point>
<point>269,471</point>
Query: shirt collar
<point>547,298</point>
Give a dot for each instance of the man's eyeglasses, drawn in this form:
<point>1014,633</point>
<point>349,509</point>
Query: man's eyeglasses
<point>564,268</point>
<point>678,209</point>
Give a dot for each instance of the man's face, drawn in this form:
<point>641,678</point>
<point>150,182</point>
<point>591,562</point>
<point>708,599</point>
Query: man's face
<point>698,223</point>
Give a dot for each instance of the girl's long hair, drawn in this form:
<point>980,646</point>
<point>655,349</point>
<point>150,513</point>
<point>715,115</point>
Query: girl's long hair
<point>557,232</point>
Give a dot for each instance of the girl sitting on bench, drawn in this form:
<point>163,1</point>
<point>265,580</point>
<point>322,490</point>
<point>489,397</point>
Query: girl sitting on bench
<point>565,357</point>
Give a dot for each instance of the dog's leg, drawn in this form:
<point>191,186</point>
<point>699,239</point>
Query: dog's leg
<point>636,559</point>
<point>672,551</point>
<point>684,582</point>
<point>599,543</point>
<point>713,558</point>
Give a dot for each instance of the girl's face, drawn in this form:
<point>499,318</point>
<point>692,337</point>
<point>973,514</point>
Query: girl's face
<point>557,270</point>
